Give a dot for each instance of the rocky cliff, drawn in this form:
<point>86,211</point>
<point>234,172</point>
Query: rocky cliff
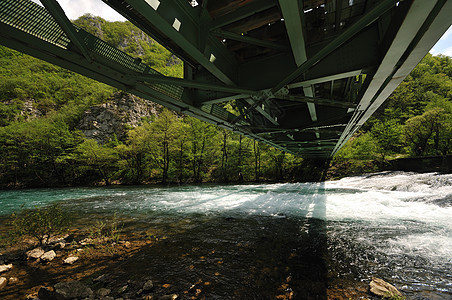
<point>122,112</point>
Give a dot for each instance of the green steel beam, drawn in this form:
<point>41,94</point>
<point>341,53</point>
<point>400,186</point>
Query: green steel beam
<point>242,13</point>
<point>248,40</point>
<point>319,101</point>
<point>224,99</point>
<point>313,81</point>
<point>58,13</point>
<point>157,78</point>
<point>292,12</point>
<point>351,31</point>
<point>263,112</point>
<point>177,21</point>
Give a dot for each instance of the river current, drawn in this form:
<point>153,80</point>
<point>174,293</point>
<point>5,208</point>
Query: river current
<point>254,241</point>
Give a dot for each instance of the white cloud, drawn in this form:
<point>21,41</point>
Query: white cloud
<point>447,51</point>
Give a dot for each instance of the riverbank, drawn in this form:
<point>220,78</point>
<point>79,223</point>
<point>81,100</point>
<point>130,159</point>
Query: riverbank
<point>113,266</point>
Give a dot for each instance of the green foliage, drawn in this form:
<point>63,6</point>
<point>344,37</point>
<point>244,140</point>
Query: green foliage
<point>416,120</point>
<point>93,156</point>
<point>40,223</point>
<point>388,136</point>
<point>106,232</point>
<point>394,297</point>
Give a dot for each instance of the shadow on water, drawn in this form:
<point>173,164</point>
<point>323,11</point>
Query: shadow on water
<point>243,256</point>
<point>220,255</point>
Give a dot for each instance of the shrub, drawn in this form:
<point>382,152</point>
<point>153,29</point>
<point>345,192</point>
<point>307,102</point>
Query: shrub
<point>41,223</point>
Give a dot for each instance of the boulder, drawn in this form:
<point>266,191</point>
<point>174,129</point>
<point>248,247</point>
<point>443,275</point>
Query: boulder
<point>70,260</point>
<point>48,256</point>
<point>3,282</point>
<point>72,290</point>
<point>5,268</point>
<point>381,288</point>
<point>35,253</point>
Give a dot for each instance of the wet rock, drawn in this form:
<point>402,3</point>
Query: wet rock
<point>87,242</point>
<point>148,285</point>
<point>70,260</point>
<point>72,290</point>
<point>46,293</point>
<point>35,253</point>
<point>13,280</point>
<point>101,278</point>
<point>126,244</point>
<point>381,288</point>
<point>123,289</point>
<point>48,256</point>
<point>59,245</point>
<point>5,268</point>
<point>103,292</point>
<point>57,239</point>
<point>3,282</point>
<point>169,297</point>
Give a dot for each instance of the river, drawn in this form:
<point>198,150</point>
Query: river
<point>256,241</point>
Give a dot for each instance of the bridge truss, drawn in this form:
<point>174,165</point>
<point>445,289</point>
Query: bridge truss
<point>301,75</point>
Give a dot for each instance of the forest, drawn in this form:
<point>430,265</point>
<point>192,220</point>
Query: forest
<point>41,143</point>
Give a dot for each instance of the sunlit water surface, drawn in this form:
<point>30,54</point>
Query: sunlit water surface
<point>397,226</point>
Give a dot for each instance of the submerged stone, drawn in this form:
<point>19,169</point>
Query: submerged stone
<point>103,292</point>
<point>169,297</point>
<point>3,282</point>
<point>72,290</point>
<point>5,268</point>
<point>148,285</point>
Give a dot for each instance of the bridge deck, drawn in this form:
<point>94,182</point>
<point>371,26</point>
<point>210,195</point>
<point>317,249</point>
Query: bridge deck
<point>302,76</point>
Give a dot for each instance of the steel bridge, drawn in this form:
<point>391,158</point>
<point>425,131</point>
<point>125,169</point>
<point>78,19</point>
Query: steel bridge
<point>300,75</point>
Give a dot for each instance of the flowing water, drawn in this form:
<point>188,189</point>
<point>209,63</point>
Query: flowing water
<point>259,240</point>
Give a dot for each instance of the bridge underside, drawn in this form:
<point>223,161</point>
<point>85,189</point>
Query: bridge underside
<point>300,75</point>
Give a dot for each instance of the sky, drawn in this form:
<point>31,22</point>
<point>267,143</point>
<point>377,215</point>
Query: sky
<point>76,8</point>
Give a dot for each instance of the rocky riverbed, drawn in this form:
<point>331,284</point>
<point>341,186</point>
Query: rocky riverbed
<point>86,265</point>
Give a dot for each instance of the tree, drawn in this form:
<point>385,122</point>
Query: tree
<point>40,223</point>
<point>101,159</point>
<point>419,129</point>
<point>202,142</point>
<point>387,135</point>
<point>162,136</point>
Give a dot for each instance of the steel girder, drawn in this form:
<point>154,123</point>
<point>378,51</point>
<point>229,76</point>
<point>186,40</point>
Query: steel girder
<point>304,74</point>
